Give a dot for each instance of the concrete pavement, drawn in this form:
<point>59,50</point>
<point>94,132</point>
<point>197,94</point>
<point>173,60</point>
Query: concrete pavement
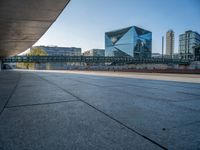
<point>80,110</point>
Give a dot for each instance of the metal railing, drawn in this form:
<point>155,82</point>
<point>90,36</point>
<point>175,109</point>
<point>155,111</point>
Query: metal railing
<point>91,59</point>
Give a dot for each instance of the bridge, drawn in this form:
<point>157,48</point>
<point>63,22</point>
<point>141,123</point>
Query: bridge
<point>23,22</point>
<point>91,59</point>
<point>85,110</point>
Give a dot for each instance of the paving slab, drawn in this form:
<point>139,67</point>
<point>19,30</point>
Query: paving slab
<point>8,82</point>
<point>32,90</point>
<point>59,110</point>
<point>185,137</point>
<point>67,125</point>
<point>151,112</point>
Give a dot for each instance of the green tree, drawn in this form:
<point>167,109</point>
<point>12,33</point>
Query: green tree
<point>36,51</point>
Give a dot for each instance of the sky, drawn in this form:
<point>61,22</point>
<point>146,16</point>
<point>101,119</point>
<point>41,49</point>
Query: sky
<point>83,23</point>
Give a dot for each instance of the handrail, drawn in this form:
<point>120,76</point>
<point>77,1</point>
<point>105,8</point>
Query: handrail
<point>91,59</point>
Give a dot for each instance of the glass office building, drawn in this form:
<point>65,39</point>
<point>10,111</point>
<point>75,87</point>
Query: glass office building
<point>187,41</point>
<point>131,41</point>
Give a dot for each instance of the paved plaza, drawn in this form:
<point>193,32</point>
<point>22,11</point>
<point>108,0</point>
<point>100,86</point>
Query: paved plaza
<point>80,110</point>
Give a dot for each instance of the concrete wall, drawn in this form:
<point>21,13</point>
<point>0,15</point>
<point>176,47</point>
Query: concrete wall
<point>0,65</point>
<point>82,66</point>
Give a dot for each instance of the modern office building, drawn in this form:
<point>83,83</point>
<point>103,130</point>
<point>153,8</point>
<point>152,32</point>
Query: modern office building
<point>131,41</point>
<point>170,43</point>
<point>64,51</point>
<point>94,52</point>
<point>186,43</point>
<point>197,52</point>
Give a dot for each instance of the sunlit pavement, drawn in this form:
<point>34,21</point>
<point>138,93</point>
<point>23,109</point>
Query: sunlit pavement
<point>48,110</point>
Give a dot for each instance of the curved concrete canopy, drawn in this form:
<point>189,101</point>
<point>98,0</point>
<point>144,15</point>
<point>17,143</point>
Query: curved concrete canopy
<point>23,22</point>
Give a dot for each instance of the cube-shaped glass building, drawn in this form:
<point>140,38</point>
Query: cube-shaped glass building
<point>131,41</point>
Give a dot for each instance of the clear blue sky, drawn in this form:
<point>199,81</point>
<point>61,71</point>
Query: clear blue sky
<point>84,22</point>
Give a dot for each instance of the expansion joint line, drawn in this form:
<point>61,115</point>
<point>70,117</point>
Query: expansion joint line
<point>110,117</point>
<point>39,104</point>
<point>11,94</point>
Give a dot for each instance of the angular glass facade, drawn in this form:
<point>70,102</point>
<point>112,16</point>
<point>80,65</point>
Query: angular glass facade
<point>131,41</point>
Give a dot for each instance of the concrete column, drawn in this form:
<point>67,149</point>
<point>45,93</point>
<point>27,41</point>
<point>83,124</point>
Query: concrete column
<point>0,64</point>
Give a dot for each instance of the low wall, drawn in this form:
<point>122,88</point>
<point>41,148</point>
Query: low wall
<point>193,67</point>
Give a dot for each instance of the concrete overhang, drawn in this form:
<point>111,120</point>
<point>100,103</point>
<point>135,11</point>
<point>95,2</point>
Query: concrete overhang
<point>23,22</point>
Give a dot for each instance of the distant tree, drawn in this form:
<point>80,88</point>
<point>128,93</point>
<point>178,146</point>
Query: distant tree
<point>36,51</point>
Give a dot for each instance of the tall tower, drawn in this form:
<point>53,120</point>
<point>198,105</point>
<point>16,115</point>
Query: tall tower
<point>170,43</point>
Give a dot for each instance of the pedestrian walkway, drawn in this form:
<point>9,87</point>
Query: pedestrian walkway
<point>75,110</point>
